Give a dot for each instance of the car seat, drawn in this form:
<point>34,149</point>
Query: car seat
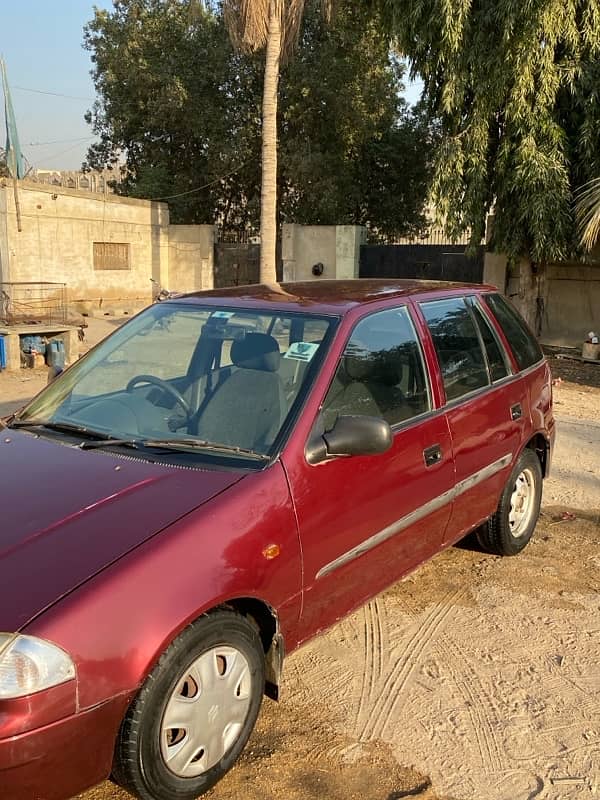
<point>248,408</point>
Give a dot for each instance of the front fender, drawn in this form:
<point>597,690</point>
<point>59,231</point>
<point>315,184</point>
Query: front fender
<point>117,625</point>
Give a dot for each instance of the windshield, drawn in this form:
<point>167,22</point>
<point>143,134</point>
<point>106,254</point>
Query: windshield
<point>192,376</point>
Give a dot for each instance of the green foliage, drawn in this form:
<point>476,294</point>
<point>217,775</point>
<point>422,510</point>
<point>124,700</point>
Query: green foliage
<point>350,150</point>
<point>166,74</point>
<point>182,109</point>
<point>515,87</point>
<point>588,214</point>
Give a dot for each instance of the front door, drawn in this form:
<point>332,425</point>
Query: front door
<point>365,521</point>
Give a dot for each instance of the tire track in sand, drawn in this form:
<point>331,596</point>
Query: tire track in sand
<point>375,636</point>
<point>390,692</point>
<point>482,710</point>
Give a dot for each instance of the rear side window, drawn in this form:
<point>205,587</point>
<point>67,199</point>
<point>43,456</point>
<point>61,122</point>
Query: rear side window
<point>495,354</point>
<point>457,344</point>
<point>523,343</point>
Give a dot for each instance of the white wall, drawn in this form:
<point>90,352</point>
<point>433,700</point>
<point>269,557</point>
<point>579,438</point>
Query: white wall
<point>336,247</point>
<point>59,227</point>
<point>191,257</point>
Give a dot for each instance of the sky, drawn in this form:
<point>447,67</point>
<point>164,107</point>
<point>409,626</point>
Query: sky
<point>41,43</point>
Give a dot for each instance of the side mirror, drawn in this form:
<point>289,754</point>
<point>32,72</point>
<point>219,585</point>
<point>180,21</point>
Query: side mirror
<point>350,436</point>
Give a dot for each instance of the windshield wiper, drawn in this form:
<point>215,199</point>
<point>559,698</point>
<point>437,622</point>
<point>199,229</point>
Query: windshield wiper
<point>63,427</point>
<point>95,438</point>
<point>201,444</point>
<point>109,441</point>
<point>98,439</point>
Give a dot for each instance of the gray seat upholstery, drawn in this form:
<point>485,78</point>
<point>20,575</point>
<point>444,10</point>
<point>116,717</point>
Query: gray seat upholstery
<point>247,408</point>
<point>349,393</point>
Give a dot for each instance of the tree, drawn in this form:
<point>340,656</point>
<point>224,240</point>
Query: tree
<point>515,89</point>
<point>351,151</point>
<point>181,107</point>
<point>166,76</point>
<point>273,25</point>
<point>588,214</point>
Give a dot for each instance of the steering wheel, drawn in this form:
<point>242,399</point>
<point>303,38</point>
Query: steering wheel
<point>175,393</point>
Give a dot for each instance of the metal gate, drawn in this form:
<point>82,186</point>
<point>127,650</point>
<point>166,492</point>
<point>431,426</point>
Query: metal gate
<point>236,264</point>
<point>443,262</point>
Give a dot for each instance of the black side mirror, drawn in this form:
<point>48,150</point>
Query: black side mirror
<point>350,436</point>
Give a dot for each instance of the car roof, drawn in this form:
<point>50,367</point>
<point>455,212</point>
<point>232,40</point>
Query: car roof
<point>337,297</point>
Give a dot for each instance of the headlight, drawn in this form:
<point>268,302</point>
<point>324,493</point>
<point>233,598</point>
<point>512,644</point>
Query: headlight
<point>28,665</point>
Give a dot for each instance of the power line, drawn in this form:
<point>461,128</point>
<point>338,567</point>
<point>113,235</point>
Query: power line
<point>61,153</point>
<point>58,141</point>
<point>206,185</point>
<point>53,94</point>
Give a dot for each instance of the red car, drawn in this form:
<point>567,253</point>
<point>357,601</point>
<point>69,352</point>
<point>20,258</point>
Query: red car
<point>225,476</point>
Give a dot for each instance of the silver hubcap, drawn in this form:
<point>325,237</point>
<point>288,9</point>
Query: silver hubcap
<point>522,503</point>
<point>206,712</point>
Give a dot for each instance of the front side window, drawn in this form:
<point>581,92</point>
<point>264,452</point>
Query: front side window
<point>523,343</point>
<point>187,375</point>
<point>381,373</point>
<point>457,345</point>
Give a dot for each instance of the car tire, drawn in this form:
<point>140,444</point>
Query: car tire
<point>511,527</point>
<point>195,711</point>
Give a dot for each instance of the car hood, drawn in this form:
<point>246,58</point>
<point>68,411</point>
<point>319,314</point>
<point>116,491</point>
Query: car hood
<point>67,513</point>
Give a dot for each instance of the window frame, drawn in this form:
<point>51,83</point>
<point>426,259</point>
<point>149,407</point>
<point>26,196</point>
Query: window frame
<point>414,323</point>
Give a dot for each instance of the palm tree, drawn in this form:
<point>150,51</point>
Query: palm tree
<point>274,25</point>
<point>587,211</point>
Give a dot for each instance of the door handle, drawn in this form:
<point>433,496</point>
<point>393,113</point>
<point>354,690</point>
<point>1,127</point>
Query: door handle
<point>516,412</point>
<point>432,455</point>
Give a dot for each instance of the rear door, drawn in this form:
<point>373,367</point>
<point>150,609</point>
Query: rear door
<point>486,408</point>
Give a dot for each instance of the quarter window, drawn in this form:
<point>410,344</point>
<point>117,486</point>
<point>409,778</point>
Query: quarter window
<point>523,343</point>
<point>495,356</point>
<point>457,344</point>
<point>381,372</point>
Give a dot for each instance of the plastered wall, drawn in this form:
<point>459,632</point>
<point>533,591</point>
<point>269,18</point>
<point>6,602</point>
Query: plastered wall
<point>337,247</point>
<point>56,243</point>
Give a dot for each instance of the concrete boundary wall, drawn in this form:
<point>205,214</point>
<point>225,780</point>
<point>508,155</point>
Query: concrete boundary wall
<point>191,257</point>
<point>336,247</point>
<point>104,247</point>
<point>570,294</point>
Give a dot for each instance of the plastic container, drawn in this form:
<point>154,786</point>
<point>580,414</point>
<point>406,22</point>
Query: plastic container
<point>32,344</point>
<point>55,354</point>
<point>2,353</point>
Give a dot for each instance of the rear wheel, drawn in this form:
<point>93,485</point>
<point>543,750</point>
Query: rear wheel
<point>509,530</point>
<point>195,711</point>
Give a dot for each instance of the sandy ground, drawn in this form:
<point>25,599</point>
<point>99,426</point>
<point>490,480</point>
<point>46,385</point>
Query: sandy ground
<point>477,678</point>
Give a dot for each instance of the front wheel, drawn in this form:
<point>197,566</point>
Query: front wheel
<point>509,530</point>
<point>195,711</point>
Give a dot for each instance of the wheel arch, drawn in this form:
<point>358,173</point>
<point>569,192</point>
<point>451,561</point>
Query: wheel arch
<point>539,445</point>
<point>265,618</point>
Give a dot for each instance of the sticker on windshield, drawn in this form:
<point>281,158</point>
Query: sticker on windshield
<point>302,351</point>
<point>222,314</point>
